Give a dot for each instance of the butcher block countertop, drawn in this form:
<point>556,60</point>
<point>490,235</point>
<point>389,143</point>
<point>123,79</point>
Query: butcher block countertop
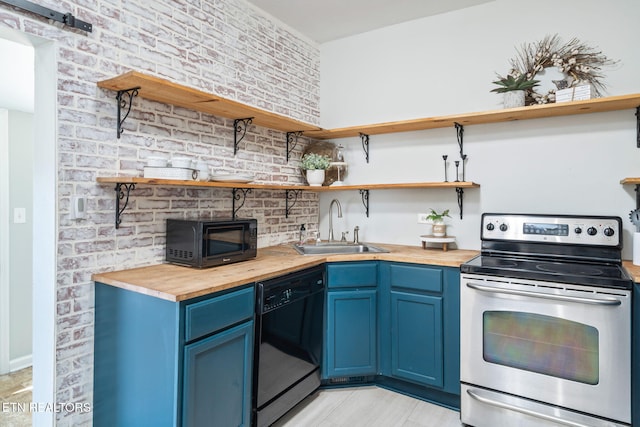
<point>176,283</point>
<point>633,270</point>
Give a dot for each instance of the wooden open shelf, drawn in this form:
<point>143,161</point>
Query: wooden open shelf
<point>634,181</point>
<point>255,185</point>
<point>161,90</point>
<point>124,185</point>
<point>597,105</point>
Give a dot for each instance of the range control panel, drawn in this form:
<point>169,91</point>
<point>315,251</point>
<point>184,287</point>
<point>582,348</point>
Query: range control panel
<point>563,229</point>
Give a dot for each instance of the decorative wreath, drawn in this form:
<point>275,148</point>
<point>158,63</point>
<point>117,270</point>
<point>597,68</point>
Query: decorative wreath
<point>581,63</point>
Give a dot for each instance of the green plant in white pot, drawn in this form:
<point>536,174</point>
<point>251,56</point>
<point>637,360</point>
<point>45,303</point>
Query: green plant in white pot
<point>439,228</point>
<point>514,89</point>
<point>315,165</point>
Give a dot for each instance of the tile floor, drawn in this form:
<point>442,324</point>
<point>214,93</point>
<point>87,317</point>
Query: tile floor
<point>367,406</point>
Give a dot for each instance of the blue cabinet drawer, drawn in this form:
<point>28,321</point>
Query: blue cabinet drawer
<point>416,277</point>
<point>352,275</point>
<point>211,315</point>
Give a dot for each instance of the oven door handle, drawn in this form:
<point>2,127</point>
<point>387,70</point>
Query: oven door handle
<point>595,301</point>
<point>509,406</point>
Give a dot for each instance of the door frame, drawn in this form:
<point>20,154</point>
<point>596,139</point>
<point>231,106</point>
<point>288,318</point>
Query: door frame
<point>4,243</point>
<point>45,220</point>
<point>45,184</point>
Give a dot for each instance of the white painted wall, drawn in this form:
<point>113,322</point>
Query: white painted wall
<point>21,237</point>
<point>444,65</point>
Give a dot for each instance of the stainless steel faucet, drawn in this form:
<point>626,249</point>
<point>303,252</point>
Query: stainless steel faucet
<point>337,202</point>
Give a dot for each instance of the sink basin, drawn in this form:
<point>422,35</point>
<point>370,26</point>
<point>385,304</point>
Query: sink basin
<point>336,248</point>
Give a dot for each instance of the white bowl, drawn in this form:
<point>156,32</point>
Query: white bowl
<point>157,162</point>
<point>181,162</point>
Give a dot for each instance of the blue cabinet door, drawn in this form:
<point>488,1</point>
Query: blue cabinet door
<point>351,348</point>
<point>217,379</point>
<point>416,338</point>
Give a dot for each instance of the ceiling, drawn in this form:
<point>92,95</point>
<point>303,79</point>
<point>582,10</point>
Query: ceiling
<point>326,20</point>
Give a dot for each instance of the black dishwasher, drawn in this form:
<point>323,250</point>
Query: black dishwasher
<point>288,342</point>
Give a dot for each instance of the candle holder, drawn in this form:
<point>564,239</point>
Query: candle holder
<point>444,157</point>
<point>457,164</point>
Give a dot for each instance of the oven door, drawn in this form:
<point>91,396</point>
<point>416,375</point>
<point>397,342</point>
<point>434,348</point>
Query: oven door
<point>565,345</point>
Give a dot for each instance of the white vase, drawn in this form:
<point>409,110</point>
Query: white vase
<point>315,177</point>
<point>439,229</point>
<point>636,248</point>
<point>513,99</point>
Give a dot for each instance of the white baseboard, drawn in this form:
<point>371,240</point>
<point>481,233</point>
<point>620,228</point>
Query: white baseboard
<point>20,363</point>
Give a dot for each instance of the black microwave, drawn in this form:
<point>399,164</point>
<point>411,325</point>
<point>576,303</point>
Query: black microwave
<point>208,243</point>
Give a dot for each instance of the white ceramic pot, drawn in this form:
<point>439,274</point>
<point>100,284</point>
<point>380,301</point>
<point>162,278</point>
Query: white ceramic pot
<point>315,177</point>
<point>513,99</point>
<point>439,229</point>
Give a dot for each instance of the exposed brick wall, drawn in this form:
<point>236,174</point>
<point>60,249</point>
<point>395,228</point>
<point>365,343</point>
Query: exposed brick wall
<point>226,47</point>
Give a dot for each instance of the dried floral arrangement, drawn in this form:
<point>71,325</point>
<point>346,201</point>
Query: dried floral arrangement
<point>582,63</point>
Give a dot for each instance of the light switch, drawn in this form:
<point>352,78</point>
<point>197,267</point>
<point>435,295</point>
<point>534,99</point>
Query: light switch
<point>19,215</point>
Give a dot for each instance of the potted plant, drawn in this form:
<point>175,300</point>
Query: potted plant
<point>439,228</point>
<point>315,165</point>
<point>514,89</point>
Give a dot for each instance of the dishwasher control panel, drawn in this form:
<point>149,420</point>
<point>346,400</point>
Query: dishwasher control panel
<point>278,292</point>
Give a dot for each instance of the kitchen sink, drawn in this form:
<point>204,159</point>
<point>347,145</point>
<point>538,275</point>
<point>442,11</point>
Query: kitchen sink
<point>336,248</point>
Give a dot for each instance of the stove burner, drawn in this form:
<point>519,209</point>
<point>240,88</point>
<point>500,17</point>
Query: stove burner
<point>577,269</point>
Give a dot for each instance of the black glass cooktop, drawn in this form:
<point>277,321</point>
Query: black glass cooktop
<point>587,274</point>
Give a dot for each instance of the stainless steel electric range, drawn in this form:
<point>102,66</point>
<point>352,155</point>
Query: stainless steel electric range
<point>546,324</point>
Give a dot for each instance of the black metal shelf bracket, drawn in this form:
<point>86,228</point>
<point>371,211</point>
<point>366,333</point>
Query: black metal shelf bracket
<point>240,128</point>
<point>637,189</point>
<point>290,195</point>
<point>122,193</point>
<point>365,145</point>
<point>460,135</point>
<point>365,200</point>
<point>460,192</point>
<point>292,142</point>
<point>238,193</point>
<point>638,127</point>
<point>125,101</point>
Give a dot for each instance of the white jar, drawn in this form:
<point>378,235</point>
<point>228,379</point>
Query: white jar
<point>203,171</point>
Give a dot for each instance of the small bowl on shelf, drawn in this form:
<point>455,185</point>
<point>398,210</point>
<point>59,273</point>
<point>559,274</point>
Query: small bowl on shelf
<point>181,162</point>
<point>157,162</point>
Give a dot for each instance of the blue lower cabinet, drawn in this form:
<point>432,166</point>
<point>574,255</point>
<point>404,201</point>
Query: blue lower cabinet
<point>416,338</point>
<point>420,325</point>
<point>217,379</point>
<point>351,347</point>
<point>175,364</point>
